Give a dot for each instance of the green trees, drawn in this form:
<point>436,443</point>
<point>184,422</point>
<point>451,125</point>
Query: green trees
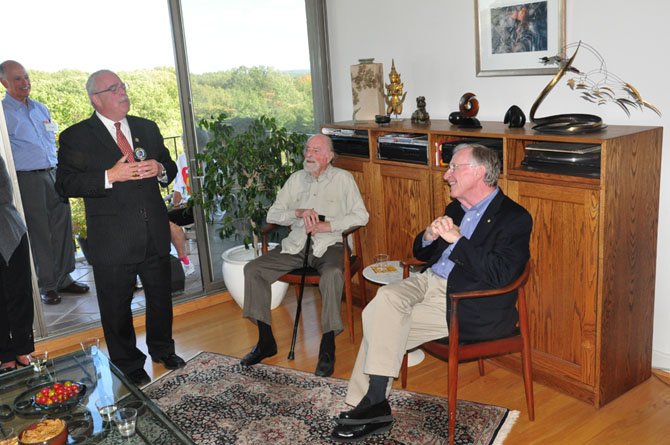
<point>240,92</point>
<point>253,92</point>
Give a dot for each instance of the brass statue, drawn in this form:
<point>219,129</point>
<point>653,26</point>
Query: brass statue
<point>394,96</point>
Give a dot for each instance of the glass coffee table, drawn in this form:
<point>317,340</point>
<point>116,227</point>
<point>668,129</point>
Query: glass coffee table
<point>97,376</point>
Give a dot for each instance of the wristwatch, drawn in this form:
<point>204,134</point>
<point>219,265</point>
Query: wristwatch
<point>162,177</point>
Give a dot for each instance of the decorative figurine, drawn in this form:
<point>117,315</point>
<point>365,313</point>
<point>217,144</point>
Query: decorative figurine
<point>597,86</point>
<point>515,117</point>
<point>420,116</point>
<point>468,107</point>
<point>394,93</point>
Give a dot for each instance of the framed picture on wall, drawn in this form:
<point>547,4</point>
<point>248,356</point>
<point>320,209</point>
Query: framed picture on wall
<point>512,36</point>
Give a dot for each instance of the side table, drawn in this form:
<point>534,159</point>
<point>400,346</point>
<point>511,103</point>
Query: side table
<point>415,356</point>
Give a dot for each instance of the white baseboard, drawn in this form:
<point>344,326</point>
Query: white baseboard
<point>660,360</point>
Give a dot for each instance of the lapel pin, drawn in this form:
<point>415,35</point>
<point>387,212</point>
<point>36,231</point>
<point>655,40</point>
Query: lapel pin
<point>140,154</point>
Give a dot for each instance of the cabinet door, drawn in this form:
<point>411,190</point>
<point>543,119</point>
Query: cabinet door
<point>563,289</point>
<point>360,170</point>
<point>441,194</point>
<point>406,200</point>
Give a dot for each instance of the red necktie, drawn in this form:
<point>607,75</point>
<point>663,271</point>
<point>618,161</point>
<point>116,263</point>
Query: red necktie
<point>123,143</point>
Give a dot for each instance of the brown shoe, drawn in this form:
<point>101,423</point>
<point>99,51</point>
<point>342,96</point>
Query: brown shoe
<point>50,297</point>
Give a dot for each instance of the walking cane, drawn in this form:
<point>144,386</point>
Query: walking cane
<point>298,309</point>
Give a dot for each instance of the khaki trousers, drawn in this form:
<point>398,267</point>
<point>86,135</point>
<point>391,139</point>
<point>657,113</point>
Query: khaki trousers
<point>401,317</point>
<point>260,273</point>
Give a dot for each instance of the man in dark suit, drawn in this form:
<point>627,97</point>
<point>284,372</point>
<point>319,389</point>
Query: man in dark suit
<point>482,242</point>
<point>116,163</point>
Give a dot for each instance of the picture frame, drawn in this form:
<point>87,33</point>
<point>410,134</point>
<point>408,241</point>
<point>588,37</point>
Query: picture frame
<point>512,36</point>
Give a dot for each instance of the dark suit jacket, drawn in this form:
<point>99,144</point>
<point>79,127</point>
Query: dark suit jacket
<point>116,218</point>
<point>494,256</point>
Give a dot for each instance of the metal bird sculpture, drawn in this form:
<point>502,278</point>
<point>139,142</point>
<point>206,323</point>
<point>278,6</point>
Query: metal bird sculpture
<point>600,86</point>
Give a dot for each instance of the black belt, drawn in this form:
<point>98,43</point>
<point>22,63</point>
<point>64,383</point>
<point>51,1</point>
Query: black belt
<point>39,170</point>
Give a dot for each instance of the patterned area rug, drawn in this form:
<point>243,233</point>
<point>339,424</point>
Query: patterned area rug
<point>217,401</point>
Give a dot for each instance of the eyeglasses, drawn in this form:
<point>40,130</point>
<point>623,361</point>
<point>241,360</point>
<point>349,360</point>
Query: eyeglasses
<point>453,167</point>
<point>114,88</point>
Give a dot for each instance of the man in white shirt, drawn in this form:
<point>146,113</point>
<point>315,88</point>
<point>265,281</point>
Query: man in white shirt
<point>317,189</point>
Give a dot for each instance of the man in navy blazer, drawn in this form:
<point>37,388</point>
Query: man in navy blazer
<point>482,242</point>
<point>118,163</point>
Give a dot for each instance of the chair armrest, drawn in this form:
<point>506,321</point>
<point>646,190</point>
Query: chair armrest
<point>354,230</point>
<point>516,284</point>
<point>267,228</point>
<point>407,263</point>
<point>349,231</point>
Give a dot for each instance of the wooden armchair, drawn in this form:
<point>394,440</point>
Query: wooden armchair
<point>453,352</point>
<point>353,264</point>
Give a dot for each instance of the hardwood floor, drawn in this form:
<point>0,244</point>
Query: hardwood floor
<point>638,417</point>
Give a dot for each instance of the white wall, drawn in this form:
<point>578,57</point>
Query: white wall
<point>433,44</point>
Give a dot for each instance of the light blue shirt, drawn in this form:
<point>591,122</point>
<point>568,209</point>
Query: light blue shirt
<point>469,223</point>
<point>33,144</point>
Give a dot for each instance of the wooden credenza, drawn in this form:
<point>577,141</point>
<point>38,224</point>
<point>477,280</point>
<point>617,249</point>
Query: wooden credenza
<point>593,247</point>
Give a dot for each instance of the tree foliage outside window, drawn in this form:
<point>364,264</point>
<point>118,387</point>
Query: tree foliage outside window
<point>240,92</point>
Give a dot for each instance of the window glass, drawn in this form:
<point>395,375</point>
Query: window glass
<point>60,44</point>
<point>247,59</point>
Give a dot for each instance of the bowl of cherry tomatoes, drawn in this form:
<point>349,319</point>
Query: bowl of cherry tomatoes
<point>58,394</point>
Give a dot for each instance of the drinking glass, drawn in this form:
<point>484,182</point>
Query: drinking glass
<point>106,406</point>
<point>125,420</point>
<point>90,346</point>
<point>38,360</point>
<point>381,261</point>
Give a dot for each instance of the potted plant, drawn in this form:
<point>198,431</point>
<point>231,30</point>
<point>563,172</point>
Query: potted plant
<point>242,170</point>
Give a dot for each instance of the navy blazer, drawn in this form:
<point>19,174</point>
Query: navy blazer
<point>116,218</point>
<point>493,257</point>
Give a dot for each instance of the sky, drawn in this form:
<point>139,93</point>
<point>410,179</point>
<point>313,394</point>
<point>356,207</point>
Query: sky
<point>132,34</point>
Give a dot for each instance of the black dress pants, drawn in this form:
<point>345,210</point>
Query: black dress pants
<point>115,286</point>
<point>16,304</point>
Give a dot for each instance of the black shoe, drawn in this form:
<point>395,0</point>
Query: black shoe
<point>170,361</point>
<point>366,413</point>
<point>355,433</point>
<point>326,365</point>
<point>257,354</point>
<point>50,297</point>
<point>139,377</point>
<point>75,288</point>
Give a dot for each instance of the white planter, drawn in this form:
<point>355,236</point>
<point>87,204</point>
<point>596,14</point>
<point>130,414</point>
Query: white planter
<point>234,260</point>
